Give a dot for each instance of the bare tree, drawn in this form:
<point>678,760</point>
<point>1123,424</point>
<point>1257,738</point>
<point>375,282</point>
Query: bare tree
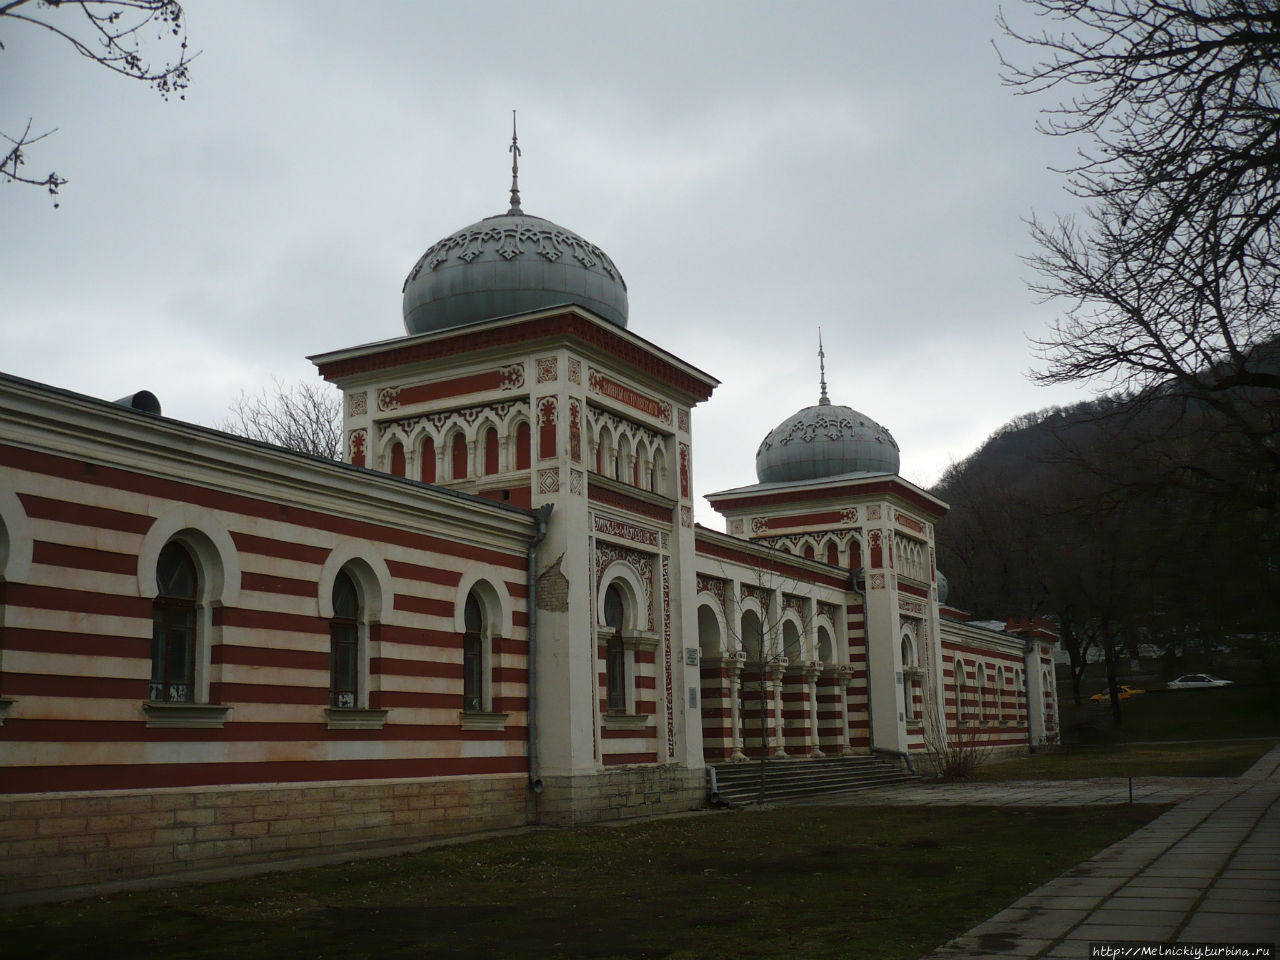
<point>305,416</point>
<point>768,649</point>
<point>1169,279</point>
<point>110,33</point>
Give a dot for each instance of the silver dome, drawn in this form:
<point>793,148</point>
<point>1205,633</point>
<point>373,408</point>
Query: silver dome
<point>505,265</point>
<point>943,587</point>
<point>825,441</point>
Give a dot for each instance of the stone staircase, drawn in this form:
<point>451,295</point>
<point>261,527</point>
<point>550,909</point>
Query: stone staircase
<point>739,783</point>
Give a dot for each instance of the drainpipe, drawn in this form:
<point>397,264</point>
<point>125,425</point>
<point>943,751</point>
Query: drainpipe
<point>542,513</point>
<point>866,645</point>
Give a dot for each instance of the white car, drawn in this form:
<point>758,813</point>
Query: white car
<point>1198,681</point>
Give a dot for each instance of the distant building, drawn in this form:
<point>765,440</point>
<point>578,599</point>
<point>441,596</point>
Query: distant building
<point>497,611</point>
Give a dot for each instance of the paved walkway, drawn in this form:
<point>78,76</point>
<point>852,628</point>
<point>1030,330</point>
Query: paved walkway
<point>1207,871</point>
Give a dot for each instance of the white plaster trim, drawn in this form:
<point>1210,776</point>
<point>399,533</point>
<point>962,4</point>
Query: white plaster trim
<point>635,615</point>
<point>626,721</point>
<point>215,553</point>
<point>354,718</point>
<point>169,716</point>
<point>483,720</point>
<point>371,573</point>
<point>15,544</point>
<point>710,601</point>
<point>493,587</point>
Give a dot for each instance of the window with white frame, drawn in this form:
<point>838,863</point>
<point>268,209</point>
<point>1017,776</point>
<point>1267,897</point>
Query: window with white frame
<point>174,625</point>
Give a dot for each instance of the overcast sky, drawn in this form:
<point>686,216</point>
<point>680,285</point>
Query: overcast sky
<point>755,170</point>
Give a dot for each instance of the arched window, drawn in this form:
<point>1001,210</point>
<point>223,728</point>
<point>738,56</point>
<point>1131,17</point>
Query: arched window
<point>428,468</point>
<point>621,457</point>
<point>656,470</point>
<point>708,632</point>
<point>458,457</point>
<point>752,636</point>
<point>961,707</point>
<point>833,553</point>
<point>173,627</point>
<point>615,652</point>
<point>808,551</point>
<point>473,650</point>
<point>1000,704</point>
<point>523,455</point>
<point>908,664</point>
<point>980,683</point>
<point>397,459</point>
<point>791,647</point>
<point>490,451</point>
<point>826,649</point>
<point>344,644</point>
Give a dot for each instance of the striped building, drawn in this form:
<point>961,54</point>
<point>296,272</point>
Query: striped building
<point>496,611</point>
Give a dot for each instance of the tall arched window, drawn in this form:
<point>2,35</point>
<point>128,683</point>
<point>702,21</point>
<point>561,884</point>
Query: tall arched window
<point>792,648</point>
<point>908,663</point>
<point>173,627</point>
<point>615,652</point>
<point>980,684</point>
<point>708,632</point>
<point>344,643</point>
<point>490,451</point>
<point>473,643</point>
<point>962,709</point>
<point>826,650</point>
<point>522,445</point>
<point>833,553</point>
<point>428,467</point>
<point>458,457</point>
<point>397,459</point>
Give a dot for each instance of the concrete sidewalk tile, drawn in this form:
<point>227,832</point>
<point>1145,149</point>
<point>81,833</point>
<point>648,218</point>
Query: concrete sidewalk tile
<point>1182,900</point>
<point>1040,925</point>
<point>1119,914</point>
<point>1145,881</point>
<point>1041,901</point>
<point>1130,931</point>
<point>1231,928</point>
<point>992,945</point>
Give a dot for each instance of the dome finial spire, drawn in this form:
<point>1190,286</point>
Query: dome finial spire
<point>514,150</point>
<point>823,400</point>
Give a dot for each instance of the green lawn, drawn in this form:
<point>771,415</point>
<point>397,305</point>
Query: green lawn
<point>1133,760</point>
<point>1225,713</point>
<point>794,883</point>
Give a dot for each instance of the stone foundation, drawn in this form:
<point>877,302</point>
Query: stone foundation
<point>61,840</point>
<point>619,793</point>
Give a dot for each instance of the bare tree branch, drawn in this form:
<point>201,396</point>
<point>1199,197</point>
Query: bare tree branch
<point>305,416</point>
<point>111,33</point>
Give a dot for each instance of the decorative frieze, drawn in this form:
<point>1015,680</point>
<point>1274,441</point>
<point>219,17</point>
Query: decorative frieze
<point>576,482</point>
<point>575,371</point>
<point>682,419</point>
<point>548,369</point>
<point>605,386</point>
<point>715,586</point>
<point>910,607</point>
<point>608,553</point>
<point>624,531</point>
<point>549,480</point>
<point>358,403</point>
<point>910,522</point>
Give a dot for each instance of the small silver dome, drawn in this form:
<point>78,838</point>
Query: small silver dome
<point>943,587</point>
<point>505,265</point>
<point>825,441</point>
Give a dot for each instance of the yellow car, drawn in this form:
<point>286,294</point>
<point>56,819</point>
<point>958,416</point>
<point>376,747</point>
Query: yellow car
<point>1124,694</point>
